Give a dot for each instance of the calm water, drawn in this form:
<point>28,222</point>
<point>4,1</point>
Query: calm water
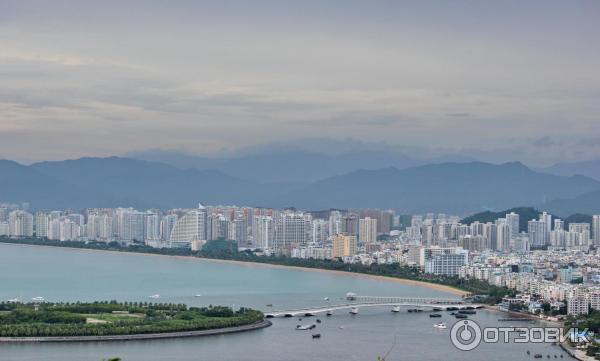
<point>69,275</point>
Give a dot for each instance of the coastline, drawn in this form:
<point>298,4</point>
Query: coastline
<point>434,286</point>
<point>148,336</point>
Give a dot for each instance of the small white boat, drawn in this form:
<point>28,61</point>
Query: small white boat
<point>154,296</point>
<point>341,327</point>
<point>396,309</point>
<point>354,311</point>
<point>326,298</point>
<point>198,295</point>
<point>306,327</point>
<point>38,299</point>
<point>440,325</point>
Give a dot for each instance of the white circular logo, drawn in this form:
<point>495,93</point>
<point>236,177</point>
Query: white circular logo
<point>465,335</point>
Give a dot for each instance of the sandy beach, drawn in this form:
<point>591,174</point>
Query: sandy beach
<point>438,287</point>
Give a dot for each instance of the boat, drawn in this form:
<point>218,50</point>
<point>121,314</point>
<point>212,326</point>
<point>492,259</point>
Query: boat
<point>329,313</point>
<point>396,309</point>
<point>341,327</point>
<point>305,327</point>
<point>435,315</point>
<point>538,355</point>
<point>198,295</point>
<point>460,315</point>
<point>326,298</point>
<point>318,320</point>
<point>436,309</point>
<point>269,305</point>
<point>440,325</point>
<point>316,335</point>
<point>14,300</point>
<point>154,296</point>
<point>467,312</point>
<point>38,299</point>
<point>354,311</point>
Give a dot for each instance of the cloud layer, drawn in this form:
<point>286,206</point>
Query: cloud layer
<point>100,78</point>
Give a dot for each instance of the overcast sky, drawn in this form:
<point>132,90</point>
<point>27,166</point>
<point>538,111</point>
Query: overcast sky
<point>521,78</point>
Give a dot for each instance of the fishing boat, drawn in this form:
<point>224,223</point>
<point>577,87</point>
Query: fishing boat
<point>440,325</point>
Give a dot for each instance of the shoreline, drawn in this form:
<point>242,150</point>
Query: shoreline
<point>434,286</point>
<point>135,337</point>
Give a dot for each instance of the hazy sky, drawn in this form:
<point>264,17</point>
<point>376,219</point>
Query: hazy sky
<point>520,78</point>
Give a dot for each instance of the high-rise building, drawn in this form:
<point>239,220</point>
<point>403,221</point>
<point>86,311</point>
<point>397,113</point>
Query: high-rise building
<point>189,228</point>
<point>151,226</point>
<point>503,236</point>
<point>263,232</point>
<point>290,227</point>
<point>596,229</point>
<point>443,260</point>
<point>167,223</point>
<point>350,224</point>
<point>4,228</point>
<point>559,224</point>
<point>546,219</point>
<point>344,245</point>
<point>130,224</point>
<point>512,219</point>
<point>41,225</point>
<point>319,231</point>
<point>367,232</point>
<point>335,222</point>
<point>536,231</point>
<point>20,224</point>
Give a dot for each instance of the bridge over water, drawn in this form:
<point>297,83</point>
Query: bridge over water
<point>356,302</point>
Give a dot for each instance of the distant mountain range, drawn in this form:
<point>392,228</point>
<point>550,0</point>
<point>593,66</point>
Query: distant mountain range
<point>458,188</point>
<point>287,166</point>
<point>589,168</point>
<point>450,187</point>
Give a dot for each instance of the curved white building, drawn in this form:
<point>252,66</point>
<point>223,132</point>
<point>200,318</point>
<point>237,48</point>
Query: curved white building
<point>189,228</point>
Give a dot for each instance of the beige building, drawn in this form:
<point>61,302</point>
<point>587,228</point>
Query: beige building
<point>344,245</point>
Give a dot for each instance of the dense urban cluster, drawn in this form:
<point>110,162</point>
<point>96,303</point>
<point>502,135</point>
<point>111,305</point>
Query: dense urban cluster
<point>551,266</point>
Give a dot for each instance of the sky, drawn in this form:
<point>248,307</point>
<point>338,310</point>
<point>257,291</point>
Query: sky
<point>512,80</point>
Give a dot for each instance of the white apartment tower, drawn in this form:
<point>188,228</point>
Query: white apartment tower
<point>367,230</point>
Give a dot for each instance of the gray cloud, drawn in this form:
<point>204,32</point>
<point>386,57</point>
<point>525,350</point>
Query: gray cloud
<point>99,78</point>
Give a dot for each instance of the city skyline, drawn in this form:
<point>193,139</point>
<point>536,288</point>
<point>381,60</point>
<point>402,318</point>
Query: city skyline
<point>504,78</point>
